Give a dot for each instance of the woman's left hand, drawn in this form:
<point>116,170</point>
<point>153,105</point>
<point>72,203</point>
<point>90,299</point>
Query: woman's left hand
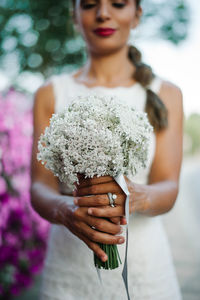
<point>98,201</point>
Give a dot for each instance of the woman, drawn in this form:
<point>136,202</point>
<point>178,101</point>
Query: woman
<point>112,67</point>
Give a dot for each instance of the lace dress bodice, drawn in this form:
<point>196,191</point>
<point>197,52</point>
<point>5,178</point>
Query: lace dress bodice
<point>69,272</point>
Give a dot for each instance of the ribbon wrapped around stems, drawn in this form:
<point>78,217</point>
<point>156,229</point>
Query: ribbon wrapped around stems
<point>122,183</point>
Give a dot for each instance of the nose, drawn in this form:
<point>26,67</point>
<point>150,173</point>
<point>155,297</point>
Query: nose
<point>103,12</point>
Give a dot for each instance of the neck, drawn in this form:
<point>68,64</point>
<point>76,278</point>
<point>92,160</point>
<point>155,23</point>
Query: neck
<point>109,69</point>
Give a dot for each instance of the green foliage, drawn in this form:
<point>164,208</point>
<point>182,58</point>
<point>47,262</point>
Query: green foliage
<point>192,130</point>
<point>40,34</point>
<point>170,19</point>
<point>40,37</point>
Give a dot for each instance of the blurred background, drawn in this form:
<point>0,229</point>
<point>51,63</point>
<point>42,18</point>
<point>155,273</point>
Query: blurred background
<point>37,39</point>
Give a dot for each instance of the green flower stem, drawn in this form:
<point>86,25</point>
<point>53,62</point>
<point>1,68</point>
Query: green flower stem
<point>113,257</point>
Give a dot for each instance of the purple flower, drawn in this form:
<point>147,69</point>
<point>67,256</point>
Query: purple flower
<point>4,198</point>
<point>3,186</point>
<point>23,233</point>
<point>15,290</point>
<point>8,254</point>
<point>23,279</point>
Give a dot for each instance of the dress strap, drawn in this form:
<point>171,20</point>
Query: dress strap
<point>155,84</point>
<point>59,83</point>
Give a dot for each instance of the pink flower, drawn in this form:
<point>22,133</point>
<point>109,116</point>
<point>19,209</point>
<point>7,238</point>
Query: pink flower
<point>23,233</point>
<point>3,186</point>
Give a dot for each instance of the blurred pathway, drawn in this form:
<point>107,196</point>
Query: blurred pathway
<point>183,227</point>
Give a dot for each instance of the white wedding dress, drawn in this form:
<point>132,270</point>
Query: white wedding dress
<point>69,272</point>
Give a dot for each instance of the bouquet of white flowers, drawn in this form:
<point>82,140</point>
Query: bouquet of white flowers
<point>96,135</point>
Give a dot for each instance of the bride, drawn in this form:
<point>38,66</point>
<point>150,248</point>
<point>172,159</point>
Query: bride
<point>78,222</point>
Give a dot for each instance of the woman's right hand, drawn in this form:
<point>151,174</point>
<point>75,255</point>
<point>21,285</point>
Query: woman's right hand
<point>77,220</point>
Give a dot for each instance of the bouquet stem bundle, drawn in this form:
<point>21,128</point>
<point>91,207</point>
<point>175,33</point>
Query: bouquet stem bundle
<point>113,257</point>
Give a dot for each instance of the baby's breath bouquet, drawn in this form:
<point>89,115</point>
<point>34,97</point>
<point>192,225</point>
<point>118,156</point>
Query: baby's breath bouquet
<point>96,136</point>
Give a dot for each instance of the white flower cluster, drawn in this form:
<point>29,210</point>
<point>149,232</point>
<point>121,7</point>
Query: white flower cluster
<point>95,135</point>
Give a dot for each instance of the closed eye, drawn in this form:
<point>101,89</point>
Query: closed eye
<point>88,6</point>
<point>117,5</point>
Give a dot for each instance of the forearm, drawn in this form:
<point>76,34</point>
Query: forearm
<point>46,201</point>
<point>153,199</point>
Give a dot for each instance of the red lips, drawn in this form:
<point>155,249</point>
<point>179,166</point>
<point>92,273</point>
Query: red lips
<point>104,31</point>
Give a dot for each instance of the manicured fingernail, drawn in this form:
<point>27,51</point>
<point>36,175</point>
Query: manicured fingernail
<point>90,211</point>
<point>121,240</point>
<point>104,258</point>
<point>124,221</point>
<point>75,201</point>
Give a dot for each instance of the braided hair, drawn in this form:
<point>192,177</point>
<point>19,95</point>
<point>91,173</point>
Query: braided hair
<point>155,108</point>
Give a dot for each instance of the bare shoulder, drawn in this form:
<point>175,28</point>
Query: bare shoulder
<point>171,95</point>
<point>44,98</point>
<point>42,111</point>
